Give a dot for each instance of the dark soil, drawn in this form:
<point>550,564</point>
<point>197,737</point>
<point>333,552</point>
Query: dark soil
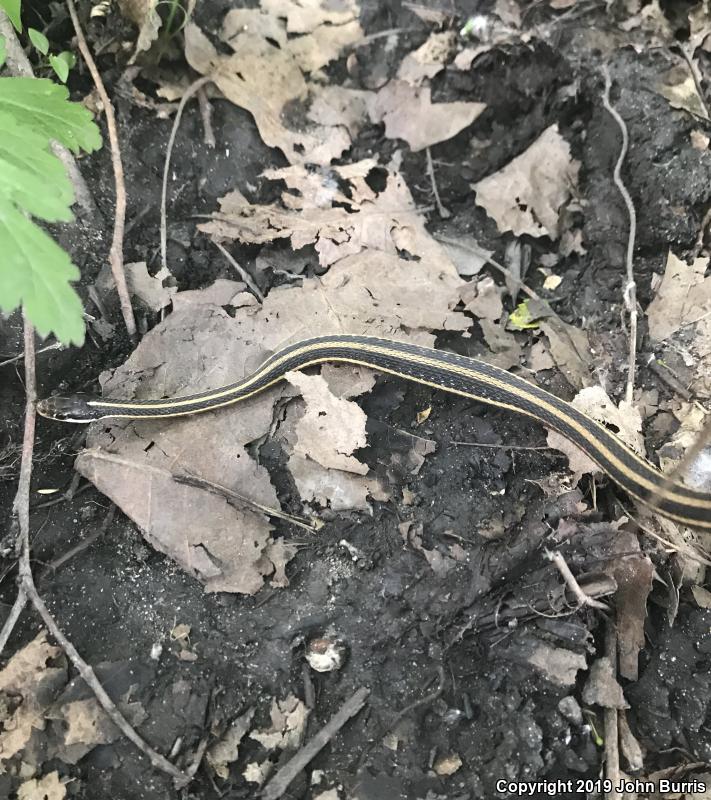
<point>411,636</point>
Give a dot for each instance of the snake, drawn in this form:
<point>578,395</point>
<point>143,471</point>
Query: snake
<point>440,369</point>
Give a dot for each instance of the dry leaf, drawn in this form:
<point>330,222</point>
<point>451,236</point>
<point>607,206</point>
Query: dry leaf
<point>289,718</point>
<point>447,764</point>
<point>633,575</point>
<point>594,402</point>
<point>428,59</point>
<point>28,684</point>
<point>387,222</point>
<point>150,289</point>
<point>683,297</point>
<point>528,195</point>
<point>333,106</point>
<point>221,754</point>
<point>602,688</point>
<point>305,16</point>
<point>679,88</point>
<point>88,724</point>
<point>263,78</point>
<point>409,114</point>
<point>626,419</point>
<point>570,349</point>
<point>331,428</point>
<point>48,787</point>
<point>558,665</point>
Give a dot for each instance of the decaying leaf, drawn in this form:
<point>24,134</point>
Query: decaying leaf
<point>386,222</point>
<point>679,88</point>
<point>153,290</point>
<point>683,297</point>
<point>429,59</point>
<point>331,428</point>
<point>28,684</point>
<point>49,787</point>
<point>409,114</point>
<point>262,78</point>
<point>570,349</point>
<point>289,718</point>
<point>221,754</point>
<point>633,572</point>
<point>625,421</point>
<point>528,195</point>
<point>559,665</point>
<point>602,688</point>
<point>89,725</point>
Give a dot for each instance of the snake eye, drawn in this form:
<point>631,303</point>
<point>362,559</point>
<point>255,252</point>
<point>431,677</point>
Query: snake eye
<point>68,408</point>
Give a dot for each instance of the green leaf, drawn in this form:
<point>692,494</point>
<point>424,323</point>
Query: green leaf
<point>69,57</point>
<point>30,176</point>
<point>521,318</point>
<point>39,40</point>
<point>36,273</point>
<point>12,9</point>
<point>41,104</point>
<point>3,51</point>
<point>60,66</point>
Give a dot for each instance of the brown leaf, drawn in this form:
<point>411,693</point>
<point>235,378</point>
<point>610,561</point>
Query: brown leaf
<point>528,195</point>
<point>49,787</point>
<point>409,114</point>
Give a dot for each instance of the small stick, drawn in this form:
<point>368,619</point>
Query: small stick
<point>189,92</point>
<point>280,782</point>
<point>443,212</point>
<point>27,588</point>
<point>573,585</point>
<point>241,271</point>
<point>668,377</point>
<point>630,292</point>
<point>54,346</point>
<point>501,446</point>
<point>612,753</point>
<point>116,252</point>
<point>206,114</point>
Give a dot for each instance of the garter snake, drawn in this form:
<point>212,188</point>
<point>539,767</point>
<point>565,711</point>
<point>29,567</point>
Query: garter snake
<point>453,373</point>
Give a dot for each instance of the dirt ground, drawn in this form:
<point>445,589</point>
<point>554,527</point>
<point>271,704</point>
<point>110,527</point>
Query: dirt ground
<point>446,655</point>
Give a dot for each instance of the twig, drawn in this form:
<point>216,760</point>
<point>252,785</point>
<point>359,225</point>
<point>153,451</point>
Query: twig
<point>18,64</point>
<point>14,615</point>
<point>116,252</point>
<point>612,753</point>
<point>443,212</point>
<point>230,496</point>
<point>668,377</point>
<point>189,92</point>
<point>206,114</point>
<point>630,292</point>
<point>480,253</point>
<point>241,271</point>
<point>54,346</point>
<point>280,782</point>
<point>21,512</point>
<point>53,566</point>
<point>573,585</point>
<point>501,446</point>
<point>426,700</point>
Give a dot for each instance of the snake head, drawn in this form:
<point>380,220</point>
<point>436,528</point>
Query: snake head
<point>69,408</point>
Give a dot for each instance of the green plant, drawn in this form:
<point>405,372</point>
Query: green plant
<point>35,272</point>
<point>60,63</point>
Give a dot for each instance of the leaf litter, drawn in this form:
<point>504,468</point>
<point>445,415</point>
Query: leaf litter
<point>381,261</point>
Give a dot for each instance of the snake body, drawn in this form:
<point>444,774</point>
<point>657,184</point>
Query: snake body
<point>450,372</point>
